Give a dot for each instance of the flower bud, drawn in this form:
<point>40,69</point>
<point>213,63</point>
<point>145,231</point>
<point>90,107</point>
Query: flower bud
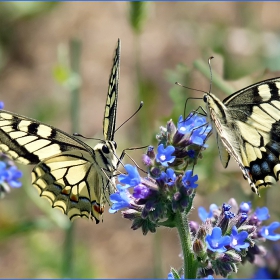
<point>151,152</point>
<point>146,160</point>
<point>199,249</point>
<point>231,256</point>
<point>171,128</point>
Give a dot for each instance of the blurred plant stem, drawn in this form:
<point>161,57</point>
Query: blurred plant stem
<point>137,17</point>
<point>217,81</point>
<point>75,55</point>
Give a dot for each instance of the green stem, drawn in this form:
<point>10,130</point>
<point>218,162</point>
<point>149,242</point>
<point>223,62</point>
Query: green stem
<point>190,263</point>
<point>68,252</point>
<point>203,68</point>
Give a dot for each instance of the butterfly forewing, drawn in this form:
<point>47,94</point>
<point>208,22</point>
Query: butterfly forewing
<point>109,121</point>
<point>70,174</point>
<point>247,124</point>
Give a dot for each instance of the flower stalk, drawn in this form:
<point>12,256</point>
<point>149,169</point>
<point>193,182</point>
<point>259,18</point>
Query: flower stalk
<point>190,262</point>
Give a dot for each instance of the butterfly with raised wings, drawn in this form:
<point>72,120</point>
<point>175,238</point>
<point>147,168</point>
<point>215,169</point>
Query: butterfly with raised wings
<point>247,125</point>
<point>73,176</point>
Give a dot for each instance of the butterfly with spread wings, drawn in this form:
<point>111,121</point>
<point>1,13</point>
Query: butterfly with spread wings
<point>73,176</point>
<point>247,125</point>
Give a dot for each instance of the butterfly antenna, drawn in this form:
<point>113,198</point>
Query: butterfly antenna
<point>210,69</point>
<point>140,106</point>
<point>91,138</point>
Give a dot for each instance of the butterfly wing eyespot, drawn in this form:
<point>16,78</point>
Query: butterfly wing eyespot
<point>73,176</point>
<point>247,128</point>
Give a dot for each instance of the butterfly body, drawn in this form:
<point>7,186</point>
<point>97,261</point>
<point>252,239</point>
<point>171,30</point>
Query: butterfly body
<point>73,176</point>
<point>248,129</point>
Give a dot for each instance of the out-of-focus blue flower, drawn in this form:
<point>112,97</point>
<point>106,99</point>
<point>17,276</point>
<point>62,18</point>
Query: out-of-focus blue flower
<point>189,180</point>
<point>238,239</point>
<point>164,156</point>
<point>120,198</point>
<point>262,273</point>
<point>10,175</point>
<point>209,277</point>
<point>13,174</point>
<point>171,276</point>
<point>245,207</point>
<point>203,214</point>
<point>216,242</point>
<point>268,232</point>
<point>1,105</point>
<point>3,171</point>
<point>262,213</point>
<point>132,177</point>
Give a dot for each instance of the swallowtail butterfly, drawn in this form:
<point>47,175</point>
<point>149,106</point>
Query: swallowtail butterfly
<point>73,176</point>
<point>247,125</point>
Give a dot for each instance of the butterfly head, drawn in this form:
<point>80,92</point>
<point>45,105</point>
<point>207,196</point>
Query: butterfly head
<point>107,153</point>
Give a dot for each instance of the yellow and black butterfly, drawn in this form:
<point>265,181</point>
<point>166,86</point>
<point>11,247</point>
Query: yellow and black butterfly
<point>247,125</point>
<point>73,176</point>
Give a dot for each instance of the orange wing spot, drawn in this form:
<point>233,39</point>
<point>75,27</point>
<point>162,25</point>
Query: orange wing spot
<point>97,208</point>
<point>74,197</point>
<point>66,191</point>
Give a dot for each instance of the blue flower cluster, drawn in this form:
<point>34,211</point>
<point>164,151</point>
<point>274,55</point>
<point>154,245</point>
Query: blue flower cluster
<point>169,185</point>
<point>230,235</point>
<point>9,174</point>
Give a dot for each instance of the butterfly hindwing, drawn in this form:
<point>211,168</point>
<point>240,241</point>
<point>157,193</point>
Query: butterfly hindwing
<point>247,124</point>
<point>69,182</point>
<point>73,176</point>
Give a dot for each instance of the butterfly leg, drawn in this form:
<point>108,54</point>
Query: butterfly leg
<point>124,152</point>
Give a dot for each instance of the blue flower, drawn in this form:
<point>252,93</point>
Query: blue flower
<point>203,214</point>
<point>1,104</point>
<point>262,273</point>
<point>164,156</point>
<point>120,198</point>
<point>168,177</point>
<point>10,175</point>
<point>171,276</point>
<point>3,171</point>
<point>185,126</point>
<point>189,180</point>
<point>262,213</point>
<point>191,153</point>
<point>132,177</point>
<point>238,239</point>
<point>141,191</point>
<point>192,123</point>
<point>209,277</point>
<point>268,232</point>
<point>198,137</point>
<point>226,207</point>
<point>216,242</point>
<point>13,174</point>
<point>245,207</point>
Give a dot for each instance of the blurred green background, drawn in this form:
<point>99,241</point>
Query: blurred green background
<point>161,43</point>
